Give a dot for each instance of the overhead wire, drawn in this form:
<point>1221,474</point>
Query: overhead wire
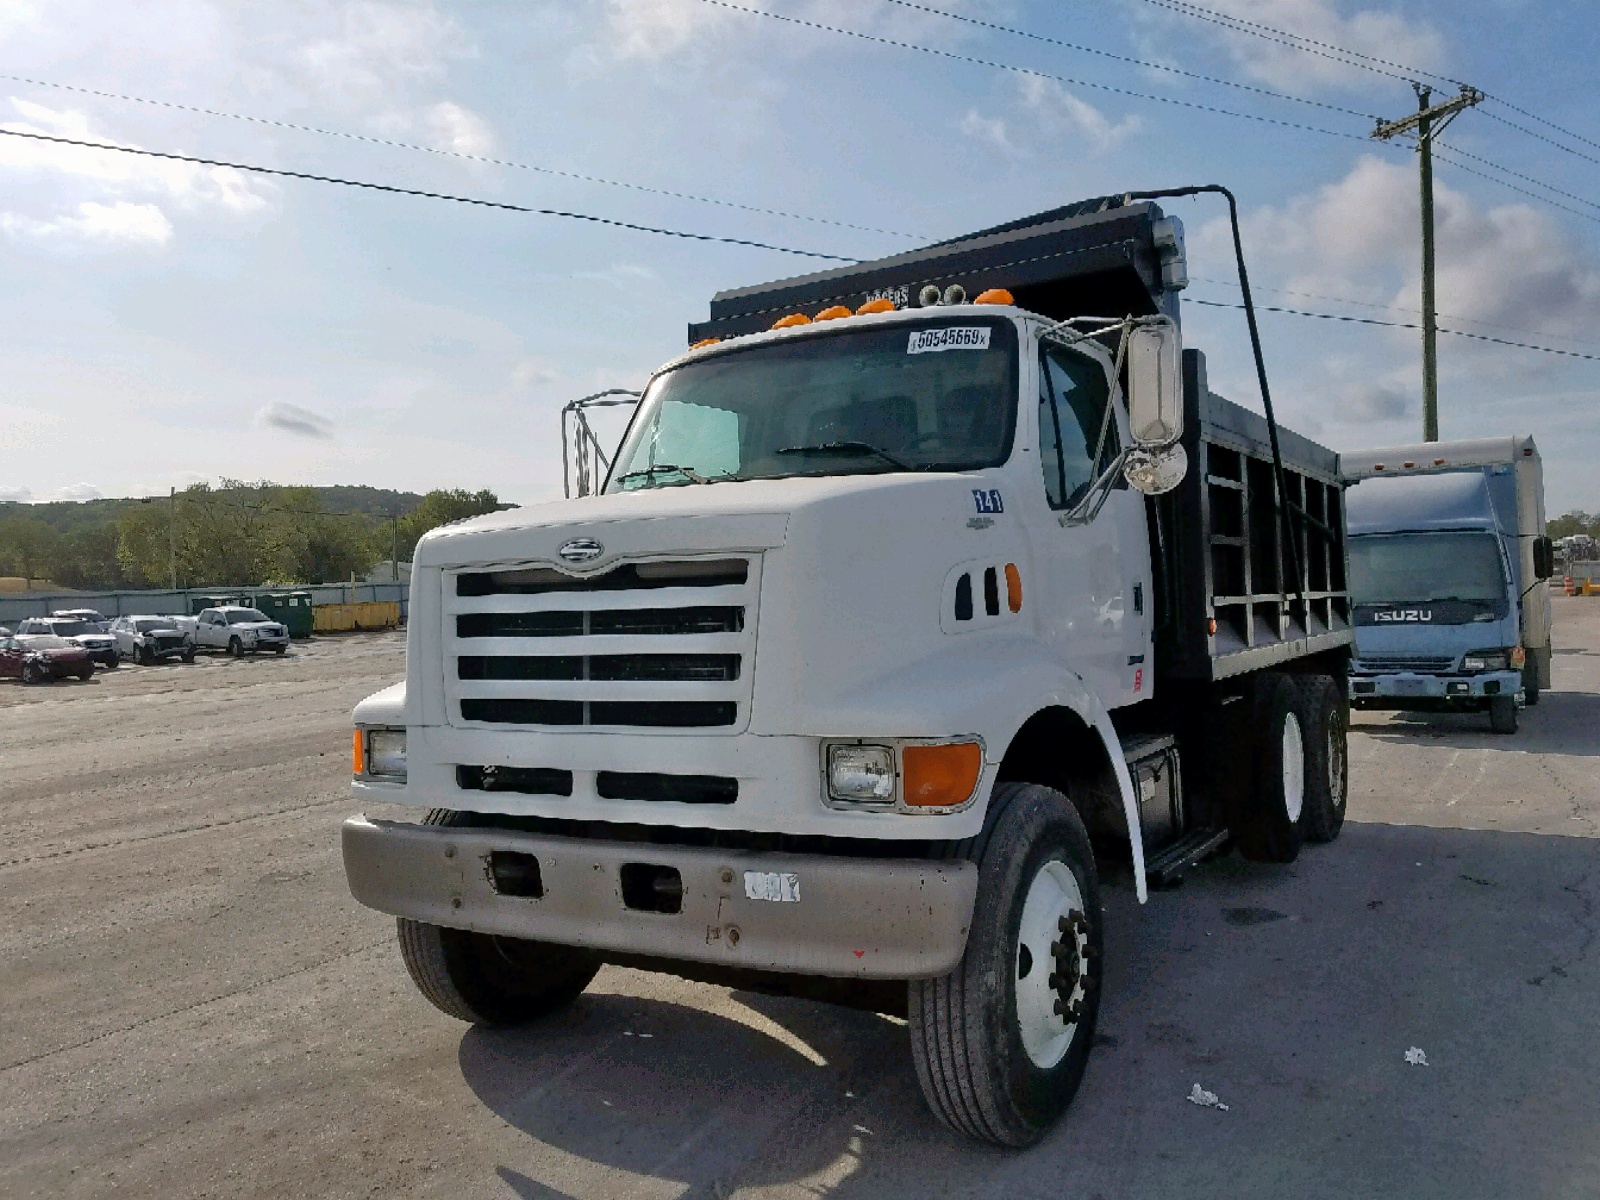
<point>459,154</point>
<point>1123,58</point>
<point>1029,71</point>
<point>405,191</point>
<point>1514,174</point>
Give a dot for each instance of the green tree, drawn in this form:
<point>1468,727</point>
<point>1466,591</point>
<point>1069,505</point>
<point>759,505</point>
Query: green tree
<point>440,508</point>
<point>25,545</point>
<point>86,558</point>
<point>1573,522</point>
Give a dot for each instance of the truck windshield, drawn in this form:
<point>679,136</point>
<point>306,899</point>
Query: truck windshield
<point>933,396</point>
<point>1412,568</point>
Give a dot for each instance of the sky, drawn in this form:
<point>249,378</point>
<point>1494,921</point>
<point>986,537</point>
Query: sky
<point>163,323</point>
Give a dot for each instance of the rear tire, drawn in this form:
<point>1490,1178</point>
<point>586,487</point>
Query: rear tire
<point>86,675</point>
<point>1269,826</point>
<point>485,979</point>
<point>1503,714</point>
<point>1327,760</point>
<point>1001,1043</point>
<point>1530,686</point>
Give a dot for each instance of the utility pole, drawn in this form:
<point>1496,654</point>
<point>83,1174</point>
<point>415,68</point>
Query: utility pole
<point>1425,124</point>
<point>172,536</point>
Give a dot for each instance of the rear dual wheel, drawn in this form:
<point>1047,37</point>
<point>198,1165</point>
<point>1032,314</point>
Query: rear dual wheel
<point>1001,1043</point>
<point>1301,768</point>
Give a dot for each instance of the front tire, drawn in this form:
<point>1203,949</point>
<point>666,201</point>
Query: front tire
<point>1002,1042</point>
<point>236,647</point>
<point>188,655</point>
<point>1503,714</point>
<point>34,673</point>
<point>485,979</point>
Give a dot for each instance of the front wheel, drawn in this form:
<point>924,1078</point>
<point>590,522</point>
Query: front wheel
<point>114,662</point>
<point>188,655</point>
<point>34,673</point>
<point>236,647</point>
<point>485,979</point>
<point>1001,1043</point>
<point>1503,714</point>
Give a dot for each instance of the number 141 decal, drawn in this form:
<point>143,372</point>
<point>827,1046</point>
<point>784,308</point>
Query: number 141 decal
<point>988,501</point>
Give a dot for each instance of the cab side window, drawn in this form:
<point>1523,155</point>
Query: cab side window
<point>1074,411</point>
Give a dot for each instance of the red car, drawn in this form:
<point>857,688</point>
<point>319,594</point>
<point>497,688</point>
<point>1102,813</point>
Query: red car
<point>37,658</point>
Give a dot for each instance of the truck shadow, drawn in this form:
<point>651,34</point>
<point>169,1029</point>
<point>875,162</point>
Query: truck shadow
<point>1291,992</point>
<point>1563,723</point>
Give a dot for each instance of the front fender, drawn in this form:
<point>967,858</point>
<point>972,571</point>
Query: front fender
<point>387,707</point>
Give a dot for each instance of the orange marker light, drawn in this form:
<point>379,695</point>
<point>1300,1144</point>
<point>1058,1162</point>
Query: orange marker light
<point>941,776</point>
<point>358,753</point>
<point>705,342</point>
<point>994,296</point>
<point>834,313</point>
<point>1211,627</point>
<point>1013,588</point>
<point>881,304</point>
<point>791,321</point>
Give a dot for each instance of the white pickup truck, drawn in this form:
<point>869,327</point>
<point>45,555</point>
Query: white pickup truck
<point>239,631</point>
<point>890,602</point>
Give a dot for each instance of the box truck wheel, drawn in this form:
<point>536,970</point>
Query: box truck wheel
<point>1503,714</point>
<point>1268,827</point>
<point>1327,762</point>
<point>1001,1042</point>
<point>490,980</point>
<point>1530,685</point>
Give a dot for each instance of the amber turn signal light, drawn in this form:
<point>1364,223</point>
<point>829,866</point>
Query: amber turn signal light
<point>994,296</point>
<point>358,753</point>
<point>833,313</point>
<point>791,321</point>
<point>940,776</point>
<point>1013,588</point>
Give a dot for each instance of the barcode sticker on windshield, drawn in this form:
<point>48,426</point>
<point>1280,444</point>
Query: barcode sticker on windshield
<point>949,337</point>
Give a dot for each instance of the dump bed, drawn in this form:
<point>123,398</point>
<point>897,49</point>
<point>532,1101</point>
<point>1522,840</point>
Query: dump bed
<point>1229,596</point>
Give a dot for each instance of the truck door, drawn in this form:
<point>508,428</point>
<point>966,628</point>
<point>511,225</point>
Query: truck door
<point>1095,577</point>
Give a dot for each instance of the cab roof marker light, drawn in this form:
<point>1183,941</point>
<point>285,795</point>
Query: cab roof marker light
<point>833,313</point>
<point>703,342</point>
<point>995,296</point>
<point>791,321</point>
<point>879,305</point>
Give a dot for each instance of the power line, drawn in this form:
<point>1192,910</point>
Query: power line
<point>1477,337</point>
<point>1494,116</point>
<point>1001,66</point>
<point>1514,174</point>
<point>402,191</point>
<point>1137,62</point>
<point>478,158</point>
<point>1577,137</point>
<point>1460,166</point>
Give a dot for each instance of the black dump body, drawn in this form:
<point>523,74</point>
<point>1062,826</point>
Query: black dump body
<point>1221,550</point>
<point>1094,258</point>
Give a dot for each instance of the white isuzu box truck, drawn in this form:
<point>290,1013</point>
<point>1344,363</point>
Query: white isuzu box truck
<point>910,585</point>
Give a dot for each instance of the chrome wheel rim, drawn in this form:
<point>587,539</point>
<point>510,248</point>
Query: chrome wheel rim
<point>1294,767</point>
<point>1052,964</point>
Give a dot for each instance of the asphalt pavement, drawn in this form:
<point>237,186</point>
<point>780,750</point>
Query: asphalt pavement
<point>193,1006</point>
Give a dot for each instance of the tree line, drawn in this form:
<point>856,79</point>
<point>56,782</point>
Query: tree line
<point>236,534</point>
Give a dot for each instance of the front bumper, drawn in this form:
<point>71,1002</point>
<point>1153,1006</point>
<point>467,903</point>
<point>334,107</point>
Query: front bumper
<point>1407,689</point>
<point>854,917</point>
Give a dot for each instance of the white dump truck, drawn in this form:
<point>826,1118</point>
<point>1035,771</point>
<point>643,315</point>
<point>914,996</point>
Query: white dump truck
<point>893,608</point>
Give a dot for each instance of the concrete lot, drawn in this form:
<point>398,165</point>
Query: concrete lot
<point>193,1006</point>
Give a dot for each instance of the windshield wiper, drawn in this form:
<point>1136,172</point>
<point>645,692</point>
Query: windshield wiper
<point>856,449</point>
<point>658,468</point>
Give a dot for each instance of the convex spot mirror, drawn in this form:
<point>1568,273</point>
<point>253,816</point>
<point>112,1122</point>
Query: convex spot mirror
<point>1155,386</point>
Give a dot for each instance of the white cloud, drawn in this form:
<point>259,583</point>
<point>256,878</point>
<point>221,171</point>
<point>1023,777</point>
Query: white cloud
<point>991,131</point>
<point>293,419</point>
<point>16,495</point>
<point>121,223</point>
<point>1369,31</point>
<point>532,372</point>
<point>78,492</point>
<point>459,130</point>
<point>656,28</point>
<point>377,47</point>
<point>1061,113</point>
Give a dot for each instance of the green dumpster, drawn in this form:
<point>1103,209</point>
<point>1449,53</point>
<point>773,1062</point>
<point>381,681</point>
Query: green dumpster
<point>290,609</point>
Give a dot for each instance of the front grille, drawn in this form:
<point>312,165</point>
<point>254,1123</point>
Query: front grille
<point>530,781</point>
<point>1381,664</point>
<point>681,789</point>
<point>662,644</point>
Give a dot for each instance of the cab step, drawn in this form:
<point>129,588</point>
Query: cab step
<point>1165,868</point>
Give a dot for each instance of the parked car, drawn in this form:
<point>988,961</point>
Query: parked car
<point>38,658</point>
<point>102,647</point>
<point>239,631</point>
<point>145,639</point>
<point>99,620</point>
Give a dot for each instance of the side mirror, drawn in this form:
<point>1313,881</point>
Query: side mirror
<point>1155,385</point>
<point>1544,558</point>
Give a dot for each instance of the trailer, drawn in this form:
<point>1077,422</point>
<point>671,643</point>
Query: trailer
<point>915,592</point>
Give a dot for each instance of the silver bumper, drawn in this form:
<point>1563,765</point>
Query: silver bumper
<point>854,917</point>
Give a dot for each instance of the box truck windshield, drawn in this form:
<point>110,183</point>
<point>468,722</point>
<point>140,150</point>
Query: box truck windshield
<point>1430,568</point>
<point>924,396</point>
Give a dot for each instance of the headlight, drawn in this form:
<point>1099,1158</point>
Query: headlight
<point>1485,660</point>
<point>861,774</point>
<point>385,753</point>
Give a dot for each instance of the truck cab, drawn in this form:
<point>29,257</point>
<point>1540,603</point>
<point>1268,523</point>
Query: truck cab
<point>888,602</point>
